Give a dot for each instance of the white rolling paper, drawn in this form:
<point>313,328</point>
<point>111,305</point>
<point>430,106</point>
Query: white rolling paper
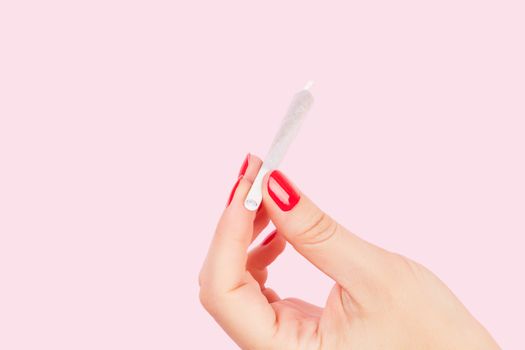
<point>301,103</point>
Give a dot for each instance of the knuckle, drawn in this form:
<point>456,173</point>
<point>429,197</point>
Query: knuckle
<point>207,300</point>
<point>322,228</point>
<point>203,298</point>
<point>207,294</point>
<point>402,273</point>
<point>408,267</point>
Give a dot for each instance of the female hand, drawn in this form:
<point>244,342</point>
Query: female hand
<point>380,300</point>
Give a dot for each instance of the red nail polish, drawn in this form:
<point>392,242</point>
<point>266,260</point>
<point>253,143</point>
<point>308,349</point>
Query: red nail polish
<point>281,191</point>
<point>244,165</point>
<point>233,190</point>
<point>269,238</point>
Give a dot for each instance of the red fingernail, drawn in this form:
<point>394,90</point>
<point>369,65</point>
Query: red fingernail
<point>244,165</point>
<point>270,238</point>
<point>233,190</point>
<point>281,191</point>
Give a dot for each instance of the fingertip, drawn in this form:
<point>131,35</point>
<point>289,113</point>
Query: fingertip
<point>252,168</point>
<point>280,195</point>
<point>266,252</point>
<point>274,241</point>
<point>255,158</point>
<point>269,238</point>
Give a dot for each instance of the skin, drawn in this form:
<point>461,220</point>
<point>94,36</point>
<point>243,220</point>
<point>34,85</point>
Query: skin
<point>380,300</point>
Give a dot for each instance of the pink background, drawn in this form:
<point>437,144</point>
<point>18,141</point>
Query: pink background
<point>123,125</point>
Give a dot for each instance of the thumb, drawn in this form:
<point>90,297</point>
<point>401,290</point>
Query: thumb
<point>352,262</point>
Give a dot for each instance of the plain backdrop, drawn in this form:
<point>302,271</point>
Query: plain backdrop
<point>123,125</point>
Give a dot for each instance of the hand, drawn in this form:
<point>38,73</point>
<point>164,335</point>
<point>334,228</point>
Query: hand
<point>380,300</point>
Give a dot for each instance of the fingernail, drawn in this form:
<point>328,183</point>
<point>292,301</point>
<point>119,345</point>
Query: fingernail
<point>233,190</point>
<point>244,165</point>
<point>269,238</point>
<point>281,191</point>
